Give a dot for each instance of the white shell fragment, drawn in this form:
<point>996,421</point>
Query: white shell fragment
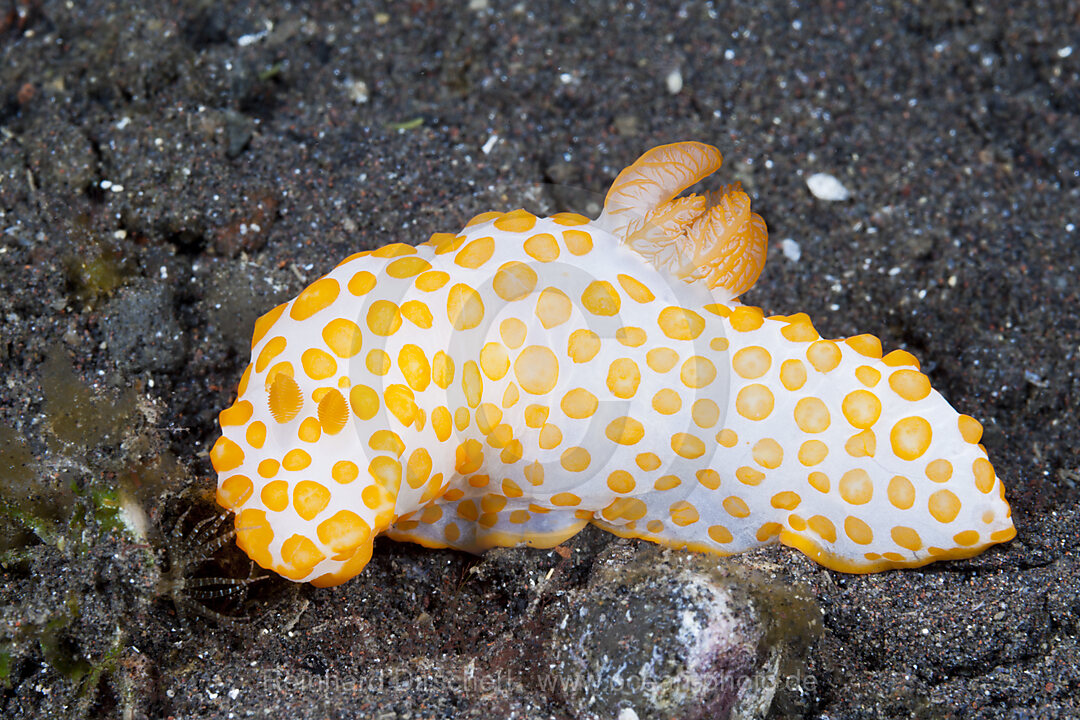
<point>791,249</point>
<point>826,187</point>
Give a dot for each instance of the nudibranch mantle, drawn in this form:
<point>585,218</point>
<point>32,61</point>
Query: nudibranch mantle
<point>512,382</point>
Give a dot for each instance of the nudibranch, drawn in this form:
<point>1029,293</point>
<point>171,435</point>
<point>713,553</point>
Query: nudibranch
<point>512,382</point>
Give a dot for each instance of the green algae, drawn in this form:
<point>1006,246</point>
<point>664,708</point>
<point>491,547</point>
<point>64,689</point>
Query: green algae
<point>24,501</point>
<point>55,646</point>
<point>410,124</point>
<point>97,267</point>
<point>5,668</point>
<point>112,467</point>
<point>81,422</point>
<point>75,415</point>
<point>85,478</point>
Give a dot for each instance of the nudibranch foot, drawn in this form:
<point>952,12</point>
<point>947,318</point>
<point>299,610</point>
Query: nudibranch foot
<point>512,382</point>
<point>539,527</point>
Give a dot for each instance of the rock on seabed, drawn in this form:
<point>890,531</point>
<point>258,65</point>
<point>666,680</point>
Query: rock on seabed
<point>673,635</point>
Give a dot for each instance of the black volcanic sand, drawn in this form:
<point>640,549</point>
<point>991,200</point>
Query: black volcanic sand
<point>168,173</point>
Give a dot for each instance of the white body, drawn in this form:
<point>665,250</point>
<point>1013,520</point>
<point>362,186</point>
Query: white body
<point>515,381</point>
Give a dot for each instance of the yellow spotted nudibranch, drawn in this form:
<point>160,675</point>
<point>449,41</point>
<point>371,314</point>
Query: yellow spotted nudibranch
<point>512,382</point>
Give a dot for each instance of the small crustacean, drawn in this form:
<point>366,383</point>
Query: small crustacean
<point>525,376</point>
<point>188,550</point>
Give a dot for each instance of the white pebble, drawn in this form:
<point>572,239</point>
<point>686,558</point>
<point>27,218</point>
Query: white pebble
<point>489,144</point>
<point>674,81</point>
<point>357,91</point>
<point>827,187</point>
<point>252,38</point>
<point>628,714</point>
<point>791,249</point>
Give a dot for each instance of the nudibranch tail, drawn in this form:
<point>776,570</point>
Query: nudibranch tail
<point>715,239</point>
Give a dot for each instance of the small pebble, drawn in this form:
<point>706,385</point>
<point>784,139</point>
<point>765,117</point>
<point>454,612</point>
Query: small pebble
<point>826,187</point>
<point>357,91</point>
<point>791,249</point>
<point>674,81</point>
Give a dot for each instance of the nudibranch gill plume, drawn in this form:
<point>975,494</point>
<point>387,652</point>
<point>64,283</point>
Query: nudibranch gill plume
<point>512,382</point>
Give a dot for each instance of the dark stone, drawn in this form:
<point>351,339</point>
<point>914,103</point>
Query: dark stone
<point>663,634</point>
<point>141,329</point>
